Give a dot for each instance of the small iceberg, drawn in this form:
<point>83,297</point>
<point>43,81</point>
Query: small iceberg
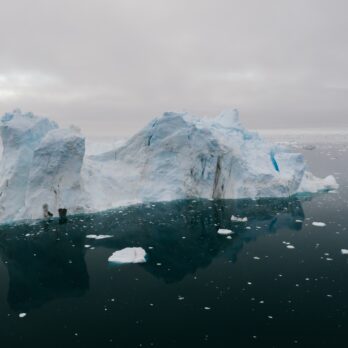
<point>344,251</point>
<point>224,231</point>
<point>128,255</point>
<point>319,224</point>
<point>100,236</point>
<point>239,219</point>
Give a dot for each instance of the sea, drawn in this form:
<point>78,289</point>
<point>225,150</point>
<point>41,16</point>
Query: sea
<point>280,279</point>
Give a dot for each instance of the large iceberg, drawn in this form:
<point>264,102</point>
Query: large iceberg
<point>176,156</point>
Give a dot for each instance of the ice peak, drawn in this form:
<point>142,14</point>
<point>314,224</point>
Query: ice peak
<point>15,114</point>
<point>229,118</point>
<point>173,114</point>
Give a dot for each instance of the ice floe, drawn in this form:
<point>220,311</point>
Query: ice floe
<point>318,224</point>
<point>98,236</point>
<point>128,255</point>
<point>224,231</point>
<point>239,219</point>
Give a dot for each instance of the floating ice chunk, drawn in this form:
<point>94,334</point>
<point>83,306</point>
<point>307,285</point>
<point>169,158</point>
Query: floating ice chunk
<point>344,251</point>
<point>239,219</point>
<point>22,315</point>
<point>290,246</point>
<point>312,184</point>
<point>99,236</point>
<point>128,255</point>
<point>224,231</point>
<point>318,224</point>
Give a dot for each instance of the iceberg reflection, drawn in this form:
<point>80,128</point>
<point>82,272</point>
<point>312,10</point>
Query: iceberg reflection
<point>46,261</point>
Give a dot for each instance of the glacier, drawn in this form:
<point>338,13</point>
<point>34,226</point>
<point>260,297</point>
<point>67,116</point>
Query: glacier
<point>176,156</point>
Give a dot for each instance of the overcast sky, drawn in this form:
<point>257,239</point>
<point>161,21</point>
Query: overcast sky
<point>110,66</point>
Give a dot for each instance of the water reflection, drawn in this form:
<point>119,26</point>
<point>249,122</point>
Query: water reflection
<point>46,260</point>
<point>43,264</point>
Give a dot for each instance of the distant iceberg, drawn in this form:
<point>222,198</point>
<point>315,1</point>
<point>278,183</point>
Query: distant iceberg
<point>176,156</point>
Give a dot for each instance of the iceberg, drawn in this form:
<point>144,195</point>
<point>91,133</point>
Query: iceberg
<point>176,156</point>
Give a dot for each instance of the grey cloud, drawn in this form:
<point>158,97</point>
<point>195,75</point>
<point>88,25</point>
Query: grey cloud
<point>111,65</point>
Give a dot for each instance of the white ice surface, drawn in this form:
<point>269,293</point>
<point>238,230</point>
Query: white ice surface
<point>128,255</point>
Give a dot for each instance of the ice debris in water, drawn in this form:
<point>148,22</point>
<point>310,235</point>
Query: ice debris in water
<point>175,156</point>
<point>318,224</point>
<point>128,255</point>
<point>239,219</point>
<point>22,315</point>
<point>224,231</point>
<point>98,236</point>
<point>344,251</point>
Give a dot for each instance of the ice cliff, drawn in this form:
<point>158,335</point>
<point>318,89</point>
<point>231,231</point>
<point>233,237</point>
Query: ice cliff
<point>175,156</point>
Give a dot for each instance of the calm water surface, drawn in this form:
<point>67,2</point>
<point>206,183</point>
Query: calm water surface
<point>197,288</point>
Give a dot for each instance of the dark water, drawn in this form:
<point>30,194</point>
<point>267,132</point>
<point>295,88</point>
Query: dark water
<point>198,288</point>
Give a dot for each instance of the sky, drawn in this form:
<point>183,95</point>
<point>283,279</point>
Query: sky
<point>110,66</point>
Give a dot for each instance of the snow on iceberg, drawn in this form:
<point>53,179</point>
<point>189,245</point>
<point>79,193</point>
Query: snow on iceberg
<point>128,255</point>
<point>176,156</point>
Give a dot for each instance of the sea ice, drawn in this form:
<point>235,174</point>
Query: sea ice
<point>128,255</point>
